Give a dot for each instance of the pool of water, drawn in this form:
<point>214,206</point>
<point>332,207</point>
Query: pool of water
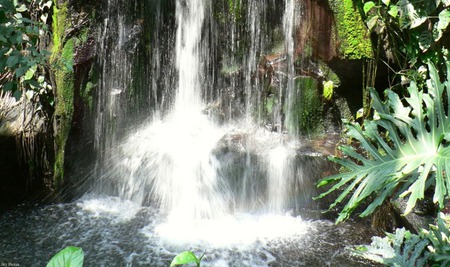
<point>115,232</point>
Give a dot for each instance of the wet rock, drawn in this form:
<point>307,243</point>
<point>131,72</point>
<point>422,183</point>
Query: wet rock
<point>18,117</point>
<point>421,216</point>
<point>231,143</point>
<point>22,129</point>
<point>215,112</point>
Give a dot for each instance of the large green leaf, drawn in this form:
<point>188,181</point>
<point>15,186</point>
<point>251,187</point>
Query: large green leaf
<point>68,257</point>
<point>401,154</point>
<point>185,257</point>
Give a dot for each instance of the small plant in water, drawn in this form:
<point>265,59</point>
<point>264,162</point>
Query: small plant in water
<point>186,257</point>
<point>68,257</point>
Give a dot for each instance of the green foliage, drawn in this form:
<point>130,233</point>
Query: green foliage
<point>304,108</point>
<point>410,30</point>
<point>439,237</point>
<point>68,257</point>
<point>398,250</point>
<point>328,88</point>
<point>353,37</point>
<point>186,257</point>
<point>62,55</point>
<point>429,248</point>
<point>403,150</point>
<point>20,53</point>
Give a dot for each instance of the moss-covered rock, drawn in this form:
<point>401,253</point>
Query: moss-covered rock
<point>304,110</point>
<point>352,34</point>
<point>62,61</point>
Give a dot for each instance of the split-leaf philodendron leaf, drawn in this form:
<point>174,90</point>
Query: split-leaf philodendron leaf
<point>402,153</point>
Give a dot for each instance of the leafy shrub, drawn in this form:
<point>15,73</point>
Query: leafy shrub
<point>68,257</point>
<point>410,30</point>
<point>439,238</point>
<point>403,150</point>
<point>429,248</point>
<point>186,257</point>
<point>21,55</point>
<point>399,249</point>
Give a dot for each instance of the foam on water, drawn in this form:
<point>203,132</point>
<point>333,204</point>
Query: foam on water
<point>171,161</point>
<point>113,207</point>
<point>115,232</point>
<point>240,230</point>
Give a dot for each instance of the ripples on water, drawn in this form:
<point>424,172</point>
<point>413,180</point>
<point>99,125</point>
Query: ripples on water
<point>114,232</point>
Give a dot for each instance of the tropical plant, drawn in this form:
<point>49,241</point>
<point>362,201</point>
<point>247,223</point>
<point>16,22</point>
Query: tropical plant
<point>429,248</point>
<point>21,53</point>
<point>409,30</point>
<point>68,257</point>
<point>402,152</point>
<point>186,257</point>
<point>398,250</point>
<point>439,238</point>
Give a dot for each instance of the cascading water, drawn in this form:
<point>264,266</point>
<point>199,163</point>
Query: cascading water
<point>278,179</point>
<point>173,160</point>
<point>188,176</point>
<point>170,159</point>
<point>289,26</point>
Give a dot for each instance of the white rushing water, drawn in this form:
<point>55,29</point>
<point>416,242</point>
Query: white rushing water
<point>172,161</point>
<point>228,184</point>
<point>189,18</point>
<point>279,179</point>
<point>172,156</point>
<point>290,20</point>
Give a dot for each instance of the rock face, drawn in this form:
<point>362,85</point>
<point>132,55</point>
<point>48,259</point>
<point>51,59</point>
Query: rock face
<point>23,152</point>
<point>317,34</point>
<point>331,46</point>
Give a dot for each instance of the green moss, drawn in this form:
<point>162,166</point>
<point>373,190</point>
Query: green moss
<point>62,62</point>
<point>329,74</point>
<point>87,90</point>
<point>305,108</point>
<point>353,35</point>
<point>328,88</point>
<point>270,103</point>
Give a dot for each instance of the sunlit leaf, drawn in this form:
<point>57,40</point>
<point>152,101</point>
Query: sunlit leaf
<point>417,22</point>
<point>30,73</point>
<point>372,22</point>
<point>368,6</point>
<point>68,257</point>
<point>47,4</point>
<point>21,8</point>
<point>29,94</point>
<point>185,257</point>
<point>409,16</point>
<point>444,19</point>
<point>401,152</point>
<point>393,11</point>
<point>44,17</point>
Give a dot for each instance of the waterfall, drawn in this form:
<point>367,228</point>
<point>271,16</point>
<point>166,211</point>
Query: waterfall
<point>189,18</point>
<point>290,19</point>
<point>278,179</point>
<point>177,156</point>
<point>171,157</point>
